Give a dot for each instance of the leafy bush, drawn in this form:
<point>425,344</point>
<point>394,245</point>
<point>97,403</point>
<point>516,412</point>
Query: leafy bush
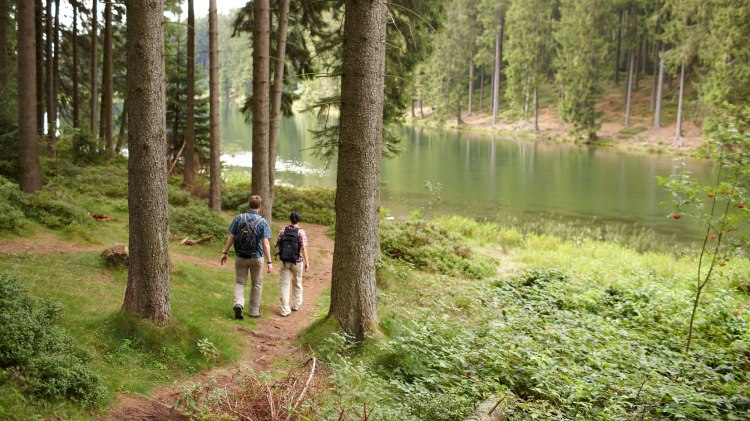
<point>55,210</point>
<point>12,202</point>
<point>558,346</point>
<point>235,198</point>
<point>430,247</point>
<point>177,197</point>
<point>317,206</point>
<point>41,357</point>
<point>197,220</point>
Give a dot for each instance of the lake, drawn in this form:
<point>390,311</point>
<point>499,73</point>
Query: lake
<point>451,172</point>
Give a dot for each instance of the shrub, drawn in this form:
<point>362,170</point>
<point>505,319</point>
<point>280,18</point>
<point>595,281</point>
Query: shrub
<point>235,198</point>
<point>431,247</point>
<point>47,363</point>
<point>316,205</point>
<point>55,210</point>
<point>12,202</point>
<point>177,197</point>
<point>197,220</point>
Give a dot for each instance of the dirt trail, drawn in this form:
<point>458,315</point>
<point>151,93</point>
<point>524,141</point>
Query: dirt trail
<point>271,340</point>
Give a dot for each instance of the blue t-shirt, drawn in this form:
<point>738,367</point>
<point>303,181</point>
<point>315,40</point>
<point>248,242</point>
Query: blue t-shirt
<point>263,229</point>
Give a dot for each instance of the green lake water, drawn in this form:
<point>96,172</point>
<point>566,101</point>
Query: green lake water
<point>449,172</point>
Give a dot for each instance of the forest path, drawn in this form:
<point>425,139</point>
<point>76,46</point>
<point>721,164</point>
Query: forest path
<point>268,344</point>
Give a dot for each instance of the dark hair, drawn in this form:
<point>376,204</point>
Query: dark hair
<point>255,202</point>
<point>295,217</point>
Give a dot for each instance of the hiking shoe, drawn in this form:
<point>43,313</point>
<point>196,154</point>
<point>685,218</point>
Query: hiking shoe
<point>238,312</point>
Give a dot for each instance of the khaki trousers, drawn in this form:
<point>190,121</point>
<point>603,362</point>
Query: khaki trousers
<point>241,268</point>
<point>290,278</point>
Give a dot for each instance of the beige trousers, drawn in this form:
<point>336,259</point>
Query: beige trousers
<point>290,278</point>
<point>241,268</point>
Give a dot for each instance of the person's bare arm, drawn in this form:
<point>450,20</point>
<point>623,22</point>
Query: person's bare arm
<point>304,257</point>
<point>227,246</point>
<point>267,254</point>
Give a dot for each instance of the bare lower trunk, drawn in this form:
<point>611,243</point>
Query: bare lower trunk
<point>94,67</point>
<point>123,127</point>
<point>107,83</point>
<point>75,105</point>
<point>147,293</point>
<point>421,110</point>
<point>498,63</point>
<point>278,83</point>
<point>459,120</point>
<point>678,129</point>
<point>189,173</point>
<point>617,50</point>
<point>353,297</point>
<point>660,84</point>
<point>413,113</point>
<point>655,80</point>
<point>261,77</point>
<point>481,88</point>
<point>471,85</point>
<point>30,179</point>
<point>629,91</point>
<point>536,107</point>
<point>214,189</point>
<point>50,67</point>
<point>3,45</point>
<point>39,67</point>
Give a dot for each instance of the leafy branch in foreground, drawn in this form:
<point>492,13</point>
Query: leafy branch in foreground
<point>723,212</point>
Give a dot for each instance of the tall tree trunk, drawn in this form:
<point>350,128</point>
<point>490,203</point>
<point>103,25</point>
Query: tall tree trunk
<point>121,136</point>
<point>50,68</point>
<point>498,64</point>
<point>353,298</point>
<point>471,84</point>
<point>629,91</point>
<point>261,77</point>
<point>278,84</point>
<point>413,112</point>
<point>214,189</point>
<point>481,87</point>
<point>421,110</point>
<point>619,46</point>
<point>3,45</point>
<point>107,83</point>
<point>189,174</point>
<point>94,67</point>
<point>655,78</point>
<point>76,105</point>
<point>536,107</point>
<point>30,178</point>
<point>39,67</point>
<point>678,129</point>
<point>147,293</point>
<point>659,88</point>
<point>459,120</point>
<point>56,70</point>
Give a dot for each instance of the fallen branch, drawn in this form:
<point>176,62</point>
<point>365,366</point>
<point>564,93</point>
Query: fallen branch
<point>304,389</point>
<point>177,157</point>
<point>189,242</point>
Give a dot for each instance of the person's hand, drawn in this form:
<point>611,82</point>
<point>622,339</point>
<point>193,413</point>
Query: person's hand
<point>269,267</point>
<point>223,258</point>
<point>307,266</point>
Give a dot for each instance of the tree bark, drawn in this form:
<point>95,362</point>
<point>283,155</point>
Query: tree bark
<point>678,129</point>
<point>655,78</point>
<point>657,111</point>
<point>3,44</point>
<point>189,173</point>
<point>50,68</point>
<point>471,84</point>
<point>536,107</point>
<point>353,299</point>
<point>261,76</point>
<point>75,105</point>
<point>39,67</point>
<point>121,136</point>
<point>619,46</point>
<point>421,110</point>
<point>107,83</point>
<point>459,120</point>
<point>629,91</point>
<point>30,179</point>
<point>481,88</point>
<point>147,293</point>
<point>498,64</point>
<point>94,67</point>
<point>278,83</point>
<point>214,189</point>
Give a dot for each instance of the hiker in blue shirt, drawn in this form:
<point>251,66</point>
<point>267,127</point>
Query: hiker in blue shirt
<point>249,233</point>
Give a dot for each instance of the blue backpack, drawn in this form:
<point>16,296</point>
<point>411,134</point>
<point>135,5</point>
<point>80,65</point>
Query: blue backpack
<point>248,238</point>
